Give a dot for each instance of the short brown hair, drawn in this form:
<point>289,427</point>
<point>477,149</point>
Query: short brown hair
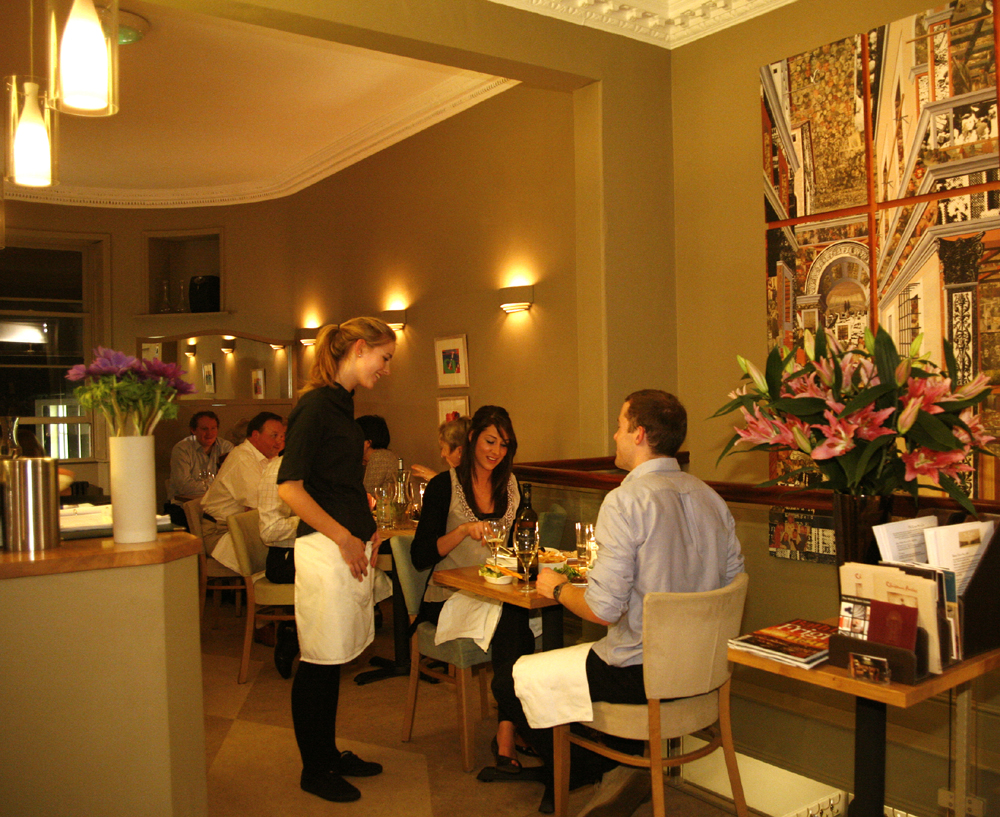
<point>661,415</point>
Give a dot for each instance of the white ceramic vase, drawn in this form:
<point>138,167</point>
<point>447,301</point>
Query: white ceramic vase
<point>133,488</point>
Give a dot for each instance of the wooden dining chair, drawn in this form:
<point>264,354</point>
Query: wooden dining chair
<point>462,655</point>
<point>212,575</point>
<point>685,639</point>
<point>266,601</point>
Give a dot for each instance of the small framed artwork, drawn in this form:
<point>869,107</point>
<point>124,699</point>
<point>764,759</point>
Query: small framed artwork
<point>257,383</point>
<point>152,350</point>
<point>452,361</point>
<point>451,408</point>
<point>208,378</point>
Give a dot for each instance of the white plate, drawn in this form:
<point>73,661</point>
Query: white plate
<point>507,561</point>
<point>498,579</point>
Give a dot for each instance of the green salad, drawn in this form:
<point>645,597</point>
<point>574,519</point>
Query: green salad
<point>490,571</point>
<point>569,572</point>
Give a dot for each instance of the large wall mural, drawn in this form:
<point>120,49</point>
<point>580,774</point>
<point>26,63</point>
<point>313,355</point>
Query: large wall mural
<point>882,192</point>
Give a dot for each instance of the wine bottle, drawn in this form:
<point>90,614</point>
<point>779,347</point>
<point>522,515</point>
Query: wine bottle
<point>399,500</point>
<point>526,525</point>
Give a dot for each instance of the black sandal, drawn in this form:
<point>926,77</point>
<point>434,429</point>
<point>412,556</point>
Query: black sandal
<point>527,751</point>
<point>504,764</point>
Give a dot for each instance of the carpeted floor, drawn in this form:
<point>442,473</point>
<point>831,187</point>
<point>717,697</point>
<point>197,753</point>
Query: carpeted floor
<point>253,762</point>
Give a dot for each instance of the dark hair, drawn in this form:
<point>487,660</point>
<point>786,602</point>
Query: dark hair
<point>485,417</point>
<point>661,415</point>
<point>376,430</point>
<point>257,423</point>
<point>199,414</point>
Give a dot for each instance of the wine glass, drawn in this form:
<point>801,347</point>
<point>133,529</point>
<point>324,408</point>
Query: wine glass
<point>526,548</point>
<point>582,549</point>
<point>494,534</point>
<point>592,546</point>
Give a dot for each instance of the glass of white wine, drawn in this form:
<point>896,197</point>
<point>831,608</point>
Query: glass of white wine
<point>526,548</point>
<point>495,534</point>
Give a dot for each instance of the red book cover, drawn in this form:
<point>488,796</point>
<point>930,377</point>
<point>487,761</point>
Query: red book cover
<point>893,624</point>
<point>801,640</point>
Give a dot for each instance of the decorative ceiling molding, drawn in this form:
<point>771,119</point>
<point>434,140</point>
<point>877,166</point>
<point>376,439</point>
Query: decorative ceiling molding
<point>666,23</point>
<point>448,98</point>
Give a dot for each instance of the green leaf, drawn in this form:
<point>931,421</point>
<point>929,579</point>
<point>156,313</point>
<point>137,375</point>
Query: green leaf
<point>955,491</point>
<point>820,343</point>
<point>729,447</point>
<point>886,357</point>
<point>800,406</point>
<point>773,370</point>
<point>939,435</point>
<point>867,397</point>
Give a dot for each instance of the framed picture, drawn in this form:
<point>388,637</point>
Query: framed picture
<point>208,378</point>
<point>452,361</point>
<point>152,350</point>
<point>451,408</point>
<point>257,383</point>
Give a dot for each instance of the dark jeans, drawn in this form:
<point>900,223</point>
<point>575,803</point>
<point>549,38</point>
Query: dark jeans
<point>177,515</point>
<point>617,685</point>
<point>280,565</point>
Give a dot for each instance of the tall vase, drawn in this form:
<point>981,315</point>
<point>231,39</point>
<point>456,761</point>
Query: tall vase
<point>133,489</point>
<point>853,518</point>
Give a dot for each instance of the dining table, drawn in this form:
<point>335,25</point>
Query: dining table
<point>469,580</point>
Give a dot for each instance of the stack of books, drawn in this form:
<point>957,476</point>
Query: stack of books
<point>799,642</point>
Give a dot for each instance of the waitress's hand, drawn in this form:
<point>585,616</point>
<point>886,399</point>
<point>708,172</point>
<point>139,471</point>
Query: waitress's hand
<point>376,541</point>
<point>353,551</point>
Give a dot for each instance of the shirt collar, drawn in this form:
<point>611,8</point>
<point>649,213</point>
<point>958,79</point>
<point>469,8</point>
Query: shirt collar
<point>650,466</point>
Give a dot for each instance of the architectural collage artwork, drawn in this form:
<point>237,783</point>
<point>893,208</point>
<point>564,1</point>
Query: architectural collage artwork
<point>882,194</point>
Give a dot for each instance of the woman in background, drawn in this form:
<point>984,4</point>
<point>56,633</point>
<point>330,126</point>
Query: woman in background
<point>321,479</point>
<point>450,534</point>
<point>452,436</point>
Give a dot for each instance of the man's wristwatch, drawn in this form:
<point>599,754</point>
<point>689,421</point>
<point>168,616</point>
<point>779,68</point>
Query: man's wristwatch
<point>557,590</point>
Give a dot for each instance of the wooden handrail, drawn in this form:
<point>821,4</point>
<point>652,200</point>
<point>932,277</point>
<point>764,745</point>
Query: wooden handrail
<point>599,473</point>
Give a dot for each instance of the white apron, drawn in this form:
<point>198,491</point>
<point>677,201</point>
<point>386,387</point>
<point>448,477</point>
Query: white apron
<point>334,612</point>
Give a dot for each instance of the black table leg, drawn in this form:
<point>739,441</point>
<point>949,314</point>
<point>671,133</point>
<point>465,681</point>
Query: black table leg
<point>552,627</point>
<point>869,759</point>
<point>400,665</point>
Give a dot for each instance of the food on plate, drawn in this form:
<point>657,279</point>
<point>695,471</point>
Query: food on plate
<point>549,556</point>
<point>571,573</point>
<point>490,572</point>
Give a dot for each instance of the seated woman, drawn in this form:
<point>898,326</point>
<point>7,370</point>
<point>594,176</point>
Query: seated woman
<point>452,436</point>
<point>450,534</point>
<point>380,462</point>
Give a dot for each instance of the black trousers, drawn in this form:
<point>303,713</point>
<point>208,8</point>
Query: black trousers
<point>617,685</point>
<point>280,565</point>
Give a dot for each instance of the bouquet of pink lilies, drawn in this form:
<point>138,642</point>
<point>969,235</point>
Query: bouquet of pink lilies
<point>872,421</point>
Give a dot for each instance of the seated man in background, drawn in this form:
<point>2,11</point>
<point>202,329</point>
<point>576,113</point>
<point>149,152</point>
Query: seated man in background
<point>236,486</point>
<point>278,529</point>
<point>194,462</point>
<point>380,462</point>
<point>660,531</point>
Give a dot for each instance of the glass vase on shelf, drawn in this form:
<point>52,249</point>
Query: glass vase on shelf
<point>165,302</point>
<point>181,301</point>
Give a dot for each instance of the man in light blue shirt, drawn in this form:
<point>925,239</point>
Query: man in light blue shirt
<point>661,531</point>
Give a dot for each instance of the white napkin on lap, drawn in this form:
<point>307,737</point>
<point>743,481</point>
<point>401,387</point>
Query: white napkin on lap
<point>552,686</point>
<point>467,616</point>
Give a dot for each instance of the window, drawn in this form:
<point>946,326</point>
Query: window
<point>45,321</point>
<point>908,307</point>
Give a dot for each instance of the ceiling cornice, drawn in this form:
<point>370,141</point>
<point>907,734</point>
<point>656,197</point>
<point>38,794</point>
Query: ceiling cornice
<point>448,98</point>
<point>666,23</point>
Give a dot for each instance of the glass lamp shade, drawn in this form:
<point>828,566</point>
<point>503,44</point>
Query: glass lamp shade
<point>32,134</point>
<point>83,56</point>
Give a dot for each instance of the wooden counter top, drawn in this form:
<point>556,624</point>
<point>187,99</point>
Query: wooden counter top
<point>98,554</point>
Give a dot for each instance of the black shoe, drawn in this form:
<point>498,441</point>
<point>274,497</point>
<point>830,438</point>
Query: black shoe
<point>504,764</point>
<point>378,617</point>
<point>329,786</point>
<point>286,648</point>
<point>548,803</point>
<point>350,765</point>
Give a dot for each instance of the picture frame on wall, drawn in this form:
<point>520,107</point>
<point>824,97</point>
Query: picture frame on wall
<point>257,383</point>
<point>451,359</point>
<point>451,408</point>
<point>208,378</point>
<point>152,350</point>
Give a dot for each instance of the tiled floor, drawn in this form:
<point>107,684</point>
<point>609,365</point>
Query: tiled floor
<point>253,762</point>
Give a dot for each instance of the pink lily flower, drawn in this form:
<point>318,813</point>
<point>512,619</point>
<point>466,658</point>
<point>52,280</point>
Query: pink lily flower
<point>979,436</point>
<point>926,463</point>
<point>871,423</point>
<point>839,436</point>
<point>762,429</point>
<point>973,388</point>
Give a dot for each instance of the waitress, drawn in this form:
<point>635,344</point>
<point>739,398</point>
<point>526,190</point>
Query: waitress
<point>321,480</point>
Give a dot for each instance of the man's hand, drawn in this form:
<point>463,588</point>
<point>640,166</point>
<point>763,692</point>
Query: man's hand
<point>547,581</point>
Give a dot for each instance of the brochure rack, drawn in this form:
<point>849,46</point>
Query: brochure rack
<point>979,616</point>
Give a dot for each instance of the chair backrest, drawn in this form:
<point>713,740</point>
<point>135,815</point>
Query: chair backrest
<point>685,639</point>
<point>192,510</point>
<point>550,526</point>
<point>251,552</point>
<point>412,581</point>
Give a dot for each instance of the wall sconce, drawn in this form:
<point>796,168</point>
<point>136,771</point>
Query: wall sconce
<point>277,346</point>
<point>517,299</point>
<point>307,337</point>
<point>191,349</point>
<point>395,319</point>
<point>228,344</point>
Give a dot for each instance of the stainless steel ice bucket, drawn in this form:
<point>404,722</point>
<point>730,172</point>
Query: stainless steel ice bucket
<point>30,487</point>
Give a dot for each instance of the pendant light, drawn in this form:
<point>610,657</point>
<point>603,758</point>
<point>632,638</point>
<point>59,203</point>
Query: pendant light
<point>83,63</point>
<point>32,127</point>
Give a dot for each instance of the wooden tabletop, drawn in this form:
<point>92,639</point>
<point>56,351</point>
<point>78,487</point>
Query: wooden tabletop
<point>893,694</point>
<point>75,555</point>
<point>468,578</point>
